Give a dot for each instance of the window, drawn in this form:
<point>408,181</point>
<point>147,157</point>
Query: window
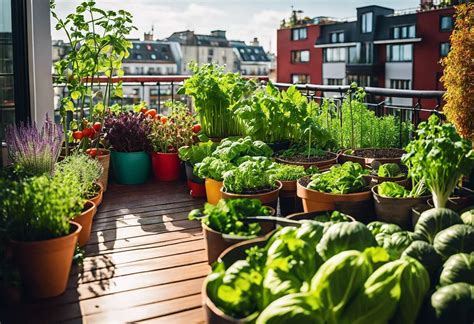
<point>366,55</point>
<point>148,47</point>
<point>300,78</point>
<point>300,56</point>
<point>153,56</point>
<point>139,70</point>
<point>337,37</point>
<point>353,55</point>
<point>399,53</point>
<point>138,56</point>
<point>336,54</point>
<point>210,52</point>
<point>361,80</point>
<point>446,23</point>
<point>367,21</point>
<point>444,49</point>
<point>332,81</point>
<point>400,84</point>
<point>403,32</point>
<point>299,33</point>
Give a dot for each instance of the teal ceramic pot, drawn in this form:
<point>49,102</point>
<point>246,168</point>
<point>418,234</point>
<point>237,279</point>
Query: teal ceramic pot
<point>131,167</point>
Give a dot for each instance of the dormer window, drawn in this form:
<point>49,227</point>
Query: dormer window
<point>367,22</point>
<point>337,37</point>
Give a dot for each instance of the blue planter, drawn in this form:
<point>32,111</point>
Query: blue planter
<point>131,167</point>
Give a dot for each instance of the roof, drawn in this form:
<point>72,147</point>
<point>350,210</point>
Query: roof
<point>150,52</point>
<point>250,53</point>
<point>188,37</point>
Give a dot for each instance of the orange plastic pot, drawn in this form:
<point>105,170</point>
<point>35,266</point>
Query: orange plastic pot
<point>321,201</point>
<point>97,199</point>
<point>44,266</point>
<point>85,220</point>
<point>166,166</point>
<point>213,190</point>
<point>269,198</point>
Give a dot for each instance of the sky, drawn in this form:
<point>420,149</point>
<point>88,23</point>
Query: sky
<point>242,19</point>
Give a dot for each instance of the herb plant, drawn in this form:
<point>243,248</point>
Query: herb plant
<point>39,208</point>
<point>288,172</point>
<point>86,169</point>
<point>128,132</point>
<point>248,178</point>
<point>228,215</point>
<point>440,156</point>
<point>231,149</point>
<point>213,168</point>
<point>340,179</point>
<point>216,96</point>
<point>35,150</point>
<point>168,134</point>
<point>389,170</point>
<point>197,152</point>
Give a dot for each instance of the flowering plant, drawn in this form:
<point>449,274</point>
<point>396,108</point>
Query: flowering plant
<point>169,133</point>
<point>35,150</point>
<point>128,132</point>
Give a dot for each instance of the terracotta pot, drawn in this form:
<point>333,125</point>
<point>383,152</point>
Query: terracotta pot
<point>312,216</point>
<point>289,201</point>
<point>104,159</point>
<point>365,162</point>
<point>166,166</point>
<point>376,180</point>
<point>85,220</point>
<point>269,198</point>
<point>319,164</point>
<point>321,201</point>
<point>196,190</point>
<point>216,244</point>
<point>97,199</point>
<point>396,210</point>
<point>213,190</point>
<point>45,265</point>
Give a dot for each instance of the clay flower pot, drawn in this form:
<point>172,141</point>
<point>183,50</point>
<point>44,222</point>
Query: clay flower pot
<point>166,166</point>
<point>396,210</point>
<point>213,190</point>
<point>103,156</point>
<point>85,220</point>
<point>45,265</point>
<point>367,161</point>
<point>289,201</point>
<point>97,199</point>
<point>319,164</point>
<point>269,198</point>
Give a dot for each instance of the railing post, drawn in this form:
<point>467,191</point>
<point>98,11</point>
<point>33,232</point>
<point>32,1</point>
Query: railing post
<point>159,97</point>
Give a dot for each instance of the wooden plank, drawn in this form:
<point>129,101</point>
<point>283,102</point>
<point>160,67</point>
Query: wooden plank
<point>192,316</point>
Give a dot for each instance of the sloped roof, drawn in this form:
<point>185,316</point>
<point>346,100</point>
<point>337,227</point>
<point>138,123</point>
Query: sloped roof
<point>250,53</point>
<point>150,51</point>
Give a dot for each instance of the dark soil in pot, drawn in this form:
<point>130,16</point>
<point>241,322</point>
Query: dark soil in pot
<point>379,153</point>
<point>305,159</point>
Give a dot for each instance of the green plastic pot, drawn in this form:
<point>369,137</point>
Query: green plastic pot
<point>131,167</point>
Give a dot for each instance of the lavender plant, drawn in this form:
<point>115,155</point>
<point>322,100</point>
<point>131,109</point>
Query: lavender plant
<point>35,150</point>
<point>128,132</point>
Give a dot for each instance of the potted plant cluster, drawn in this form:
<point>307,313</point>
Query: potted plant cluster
<point>128,136</point>
<point>392,172</point>
<point>224,224</point>
<point>168,134</point>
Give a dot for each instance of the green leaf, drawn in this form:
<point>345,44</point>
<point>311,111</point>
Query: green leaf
<point>75,95</point>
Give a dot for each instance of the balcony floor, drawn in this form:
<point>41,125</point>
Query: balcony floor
<point>145,262</point>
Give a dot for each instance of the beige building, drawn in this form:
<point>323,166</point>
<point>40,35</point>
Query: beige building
<point>213,48</point>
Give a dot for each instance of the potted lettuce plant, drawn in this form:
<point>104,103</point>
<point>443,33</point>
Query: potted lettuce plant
<point>127,134</point>
<point>167,135</point>
<point>35,214</point>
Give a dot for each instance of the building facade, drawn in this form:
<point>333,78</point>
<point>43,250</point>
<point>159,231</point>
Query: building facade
<point>380,48</point>
<point>250,59</point>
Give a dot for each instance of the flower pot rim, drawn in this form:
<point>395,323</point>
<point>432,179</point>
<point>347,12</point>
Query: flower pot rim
<point>162,153</point>
<point>220,181</point>
<point>279,186</point>
<point>135,152</point>
<point>53,240</point>
<point>316,163</point>
<point>86,210</point>
<point>101,190</point>
<point>299,185</point>
<point>376,194</point>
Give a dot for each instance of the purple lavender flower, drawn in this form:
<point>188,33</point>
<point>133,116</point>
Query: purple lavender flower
<point>36,150</point>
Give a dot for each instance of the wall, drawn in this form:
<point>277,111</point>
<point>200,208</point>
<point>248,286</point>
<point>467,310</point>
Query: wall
<point>284,47</point>
<point>199,54</point>
<point>399,71</point>
<point>427,69</point>
<point>334,71</point>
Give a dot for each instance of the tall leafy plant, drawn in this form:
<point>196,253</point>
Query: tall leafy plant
<point>98,44</point>
<point>216,95</point>
<point>439,156</point>
<point>458,77</point>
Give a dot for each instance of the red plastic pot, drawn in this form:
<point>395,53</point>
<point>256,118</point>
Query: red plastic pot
<point>166,166</point>
<point>197,190</point>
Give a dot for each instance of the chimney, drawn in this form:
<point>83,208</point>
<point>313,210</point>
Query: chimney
<point>255,42</point>
<point>218,33</point>
<point>148,36</point>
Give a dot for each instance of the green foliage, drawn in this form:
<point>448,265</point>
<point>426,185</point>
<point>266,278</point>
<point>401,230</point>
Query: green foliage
<point>392,190</point>
<point>38,208</point>
<point>216,96</point>
<point>389,170</point>
<point>394,243</point>
<point>455,239</point>
<point>86,170</point>
<point>468,217</point>
<point>458,268</point>
<point>426,254</point>
<point>440,157</point>
<point>344,236</point>
<point>453,303</point>
<point>288,172</point>
<point>340,179</point>
<point>378,227</point>
<point>433,221</point>
<point>231,149</point>
<point>197,152</point>
<point>213,168</point>
<point>249,177</point>
<point>229,214</point>
<point>355,126</point>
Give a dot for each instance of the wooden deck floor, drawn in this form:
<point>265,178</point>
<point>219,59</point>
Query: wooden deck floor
<point>145,262</point>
